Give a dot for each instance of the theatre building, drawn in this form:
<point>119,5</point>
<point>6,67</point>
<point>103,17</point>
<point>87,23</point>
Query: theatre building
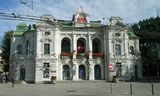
<point>76,49</point>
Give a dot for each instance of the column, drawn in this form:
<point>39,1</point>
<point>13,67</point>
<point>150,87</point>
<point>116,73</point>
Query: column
<point>57,42</point>
<point>89,46</point>
<point>75,72</point>
<point>126,47</point>
<point>111,44</point>
<point>74,46</point>
<point>91,72</point>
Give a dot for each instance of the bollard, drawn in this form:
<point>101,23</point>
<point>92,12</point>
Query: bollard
<point>131,88</point>
<point>152,89</point>
<point>111,87</point>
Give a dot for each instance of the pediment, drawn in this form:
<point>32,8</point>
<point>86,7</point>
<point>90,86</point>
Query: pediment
<point>119,26</point>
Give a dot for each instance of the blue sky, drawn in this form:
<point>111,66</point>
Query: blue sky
<point>130,10</point>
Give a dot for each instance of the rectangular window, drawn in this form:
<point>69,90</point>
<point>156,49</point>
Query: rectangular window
<point>46,48</point>
<point>28,46</point>
<point>118,49</point>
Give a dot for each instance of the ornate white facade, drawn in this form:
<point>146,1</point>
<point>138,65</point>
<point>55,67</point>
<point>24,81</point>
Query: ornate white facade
<point>76,49</point>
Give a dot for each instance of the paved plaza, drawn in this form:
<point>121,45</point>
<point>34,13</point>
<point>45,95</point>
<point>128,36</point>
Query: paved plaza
<point>101,88</point>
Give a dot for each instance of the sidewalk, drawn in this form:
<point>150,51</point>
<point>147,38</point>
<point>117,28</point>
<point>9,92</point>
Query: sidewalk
<point>80,89</point>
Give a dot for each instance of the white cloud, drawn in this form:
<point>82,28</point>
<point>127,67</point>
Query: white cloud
<point>130,10</point>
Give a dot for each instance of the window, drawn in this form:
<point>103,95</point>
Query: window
<point>96,45</point>
<point>46,48</point>
<point>46,70</point>
<point>117,49</point>
<point>19,49</point>
<point>81,45</point>
<point>47,33</point>
<point>132,50</point>
<point>65,45</point>
<point>117,34</point>
<point>118,69</point>
<point>27,47</point>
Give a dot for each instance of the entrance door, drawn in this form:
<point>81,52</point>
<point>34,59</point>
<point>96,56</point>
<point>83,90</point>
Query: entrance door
<point>66,72</point>
<point>22,74</point>
<point>82,73</point>
<point>97,72</point>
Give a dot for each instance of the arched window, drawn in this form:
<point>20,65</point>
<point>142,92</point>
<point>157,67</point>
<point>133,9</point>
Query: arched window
<point>19,49</point>
<point>81,45</point>
<point>27,47</point>
<point>65,45</point>
<point>96,45</point>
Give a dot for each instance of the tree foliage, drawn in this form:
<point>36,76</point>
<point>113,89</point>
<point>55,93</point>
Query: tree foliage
<point>148,25</point>
<point>148,31</point>
<point>6,49</point>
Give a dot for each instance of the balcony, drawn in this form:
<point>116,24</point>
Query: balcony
<point>98,55</point>
<point>66,55</point>
<point>81,55</point>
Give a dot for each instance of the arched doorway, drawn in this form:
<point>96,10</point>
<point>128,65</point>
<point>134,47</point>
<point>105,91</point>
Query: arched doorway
<point>66,72</point>
<point>97,72</point>
<point>82,73</point>
<point>22,73</point>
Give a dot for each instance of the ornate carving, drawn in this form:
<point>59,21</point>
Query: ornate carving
<point>45,40</point>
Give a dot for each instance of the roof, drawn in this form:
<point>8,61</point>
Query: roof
<point>95,23</point>
<point>131,35</point>
<point>65,23</point>
<point>70,24</point>
<point>18,33</point>
<point>22,28</point>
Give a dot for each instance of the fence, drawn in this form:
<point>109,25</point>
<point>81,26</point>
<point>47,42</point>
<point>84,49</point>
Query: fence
<point>135,89</point>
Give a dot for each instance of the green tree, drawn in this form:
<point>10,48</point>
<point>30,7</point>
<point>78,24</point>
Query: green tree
<point>6,49</point>
<point>148,31</point>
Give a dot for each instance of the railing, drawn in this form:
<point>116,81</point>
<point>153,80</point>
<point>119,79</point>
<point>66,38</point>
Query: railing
<point>81,55</point>
<point>66,55</point>
<point>97,55</point>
